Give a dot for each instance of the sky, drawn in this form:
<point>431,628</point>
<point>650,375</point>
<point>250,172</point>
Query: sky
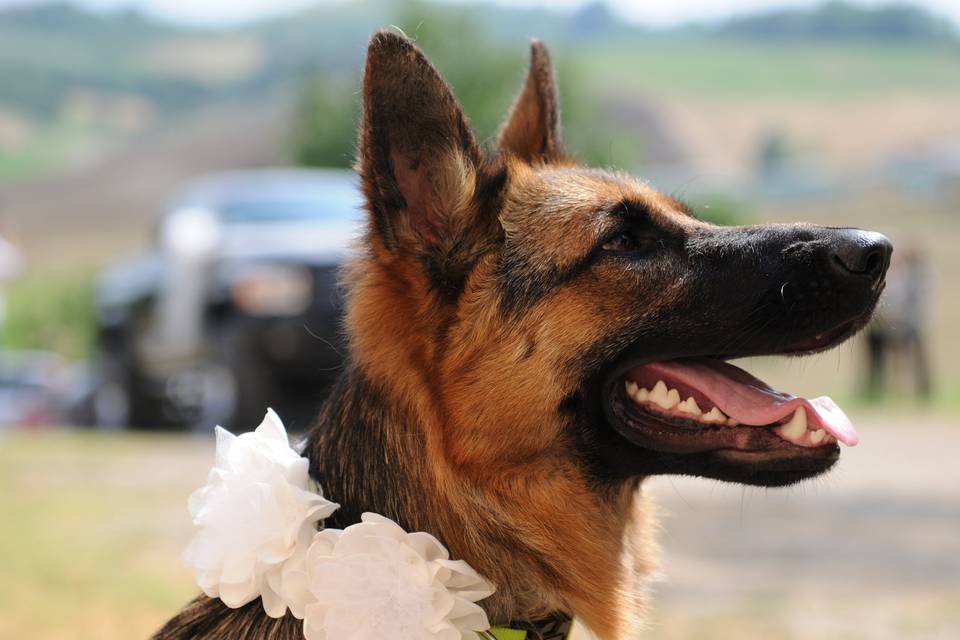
<point>658,12</point>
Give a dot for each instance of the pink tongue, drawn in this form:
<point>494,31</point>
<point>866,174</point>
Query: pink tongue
<point>750,400</point>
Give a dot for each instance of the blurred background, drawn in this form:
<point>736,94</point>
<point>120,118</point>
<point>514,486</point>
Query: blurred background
<point>175,200</point>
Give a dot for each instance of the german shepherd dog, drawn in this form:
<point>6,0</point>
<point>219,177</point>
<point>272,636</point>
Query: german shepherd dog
<point>526,335</point>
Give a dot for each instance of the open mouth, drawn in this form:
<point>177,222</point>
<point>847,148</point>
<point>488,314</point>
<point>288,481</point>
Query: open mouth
<point>706,394</point>
<point>725,422</point>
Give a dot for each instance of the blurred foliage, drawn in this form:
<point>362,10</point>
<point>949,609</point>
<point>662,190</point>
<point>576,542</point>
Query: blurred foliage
<point>52,312</point>
<point>325,131</point>
<point>485,82</point>
<point>842,20</point>
<point>721,209</point>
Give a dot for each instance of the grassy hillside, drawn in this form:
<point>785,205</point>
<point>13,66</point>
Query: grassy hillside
<point>76,82</point>
<point>50,51</point>
<point>156,104</point>
<point>749,68</point>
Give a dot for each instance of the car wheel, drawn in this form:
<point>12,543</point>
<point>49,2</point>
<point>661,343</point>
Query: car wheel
<point>239,387</point>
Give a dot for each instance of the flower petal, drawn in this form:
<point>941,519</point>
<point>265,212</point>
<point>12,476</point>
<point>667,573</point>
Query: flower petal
<point>256,510</point>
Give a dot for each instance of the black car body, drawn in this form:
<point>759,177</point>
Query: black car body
<point>237,306</point>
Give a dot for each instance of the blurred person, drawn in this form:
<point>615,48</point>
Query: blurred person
<point>11,265</point>
<point>898,334</point>
<point>773,158</point>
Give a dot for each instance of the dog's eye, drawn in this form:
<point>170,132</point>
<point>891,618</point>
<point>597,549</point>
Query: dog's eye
<point>620,242</point>
<point>627,243</point>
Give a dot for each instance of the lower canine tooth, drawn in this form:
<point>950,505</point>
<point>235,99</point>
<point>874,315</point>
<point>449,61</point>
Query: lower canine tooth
<point>715,415</point>
<point>816,437</point>
<point>797,425</point>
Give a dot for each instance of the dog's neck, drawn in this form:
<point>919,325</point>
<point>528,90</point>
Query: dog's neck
<point>360,459</point>
<point>368,453</point>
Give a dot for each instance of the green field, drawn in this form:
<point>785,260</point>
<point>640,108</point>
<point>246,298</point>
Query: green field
<point>718,67</point>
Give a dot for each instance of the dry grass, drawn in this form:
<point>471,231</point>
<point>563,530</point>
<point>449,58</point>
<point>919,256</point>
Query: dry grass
<point>93,526</point>
<point>725,133</point>
<point>91,534</point>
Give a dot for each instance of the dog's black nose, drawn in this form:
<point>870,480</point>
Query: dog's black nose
<point>861,254</point>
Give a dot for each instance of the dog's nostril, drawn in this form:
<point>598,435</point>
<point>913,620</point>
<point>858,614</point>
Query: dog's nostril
<point>862,253</point>
<point>874,264</point>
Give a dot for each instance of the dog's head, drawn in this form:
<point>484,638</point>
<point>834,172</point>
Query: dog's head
<point>536,311</point>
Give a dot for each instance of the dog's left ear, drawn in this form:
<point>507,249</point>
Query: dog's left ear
<point>532,130</point>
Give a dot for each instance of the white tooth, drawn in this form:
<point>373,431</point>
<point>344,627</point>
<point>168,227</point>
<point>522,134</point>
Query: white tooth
<point>715,415</point>
<point>659,395</point>
<point>797,425</point>
<point>673,397</point>
<point>816,437</point>
<point>690,406</point>
<point>642,394</point>
<point>631,387</point>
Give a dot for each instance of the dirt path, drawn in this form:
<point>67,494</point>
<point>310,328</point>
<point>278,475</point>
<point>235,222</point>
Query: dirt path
<point>872,551</point>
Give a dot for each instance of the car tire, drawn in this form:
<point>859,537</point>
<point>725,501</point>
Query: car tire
<point>237,355</point>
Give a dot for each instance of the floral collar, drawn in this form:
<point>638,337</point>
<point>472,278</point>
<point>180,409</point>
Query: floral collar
<point>257,537</point>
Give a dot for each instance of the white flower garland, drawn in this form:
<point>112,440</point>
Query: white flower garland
<point>257,537</point>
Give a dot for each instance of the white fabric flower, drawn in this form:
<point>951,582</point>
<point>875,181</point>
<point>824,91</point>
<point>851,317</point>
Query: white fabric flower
<point>257,537</point>
<point>256,517</point>
<point>373,580</point>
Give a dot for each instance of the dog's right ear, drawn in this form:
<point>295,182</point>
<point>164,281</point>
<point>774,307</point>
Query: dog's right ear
<point>532,130</point>
<point>419,161</point>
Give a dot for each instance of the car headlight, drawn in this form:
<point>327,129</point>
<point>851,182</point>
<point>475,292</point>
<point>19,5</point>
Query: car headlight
<point>272,290</point>
<point>192,232</point>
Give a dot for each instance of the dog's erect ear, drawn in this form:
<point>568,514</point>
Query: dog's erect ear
<point>420,163</point>
<point>532,130</point>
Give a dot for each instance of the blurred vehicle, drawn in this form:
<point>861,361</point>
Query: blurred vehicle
<point>236,307</point>
<point>33,389</point>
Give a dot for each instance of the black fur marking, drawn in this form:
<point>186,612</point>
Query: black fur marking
<point>522,285</point>
<point>382,191</point>
<point>358,437</point>
<point>210,619</point>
